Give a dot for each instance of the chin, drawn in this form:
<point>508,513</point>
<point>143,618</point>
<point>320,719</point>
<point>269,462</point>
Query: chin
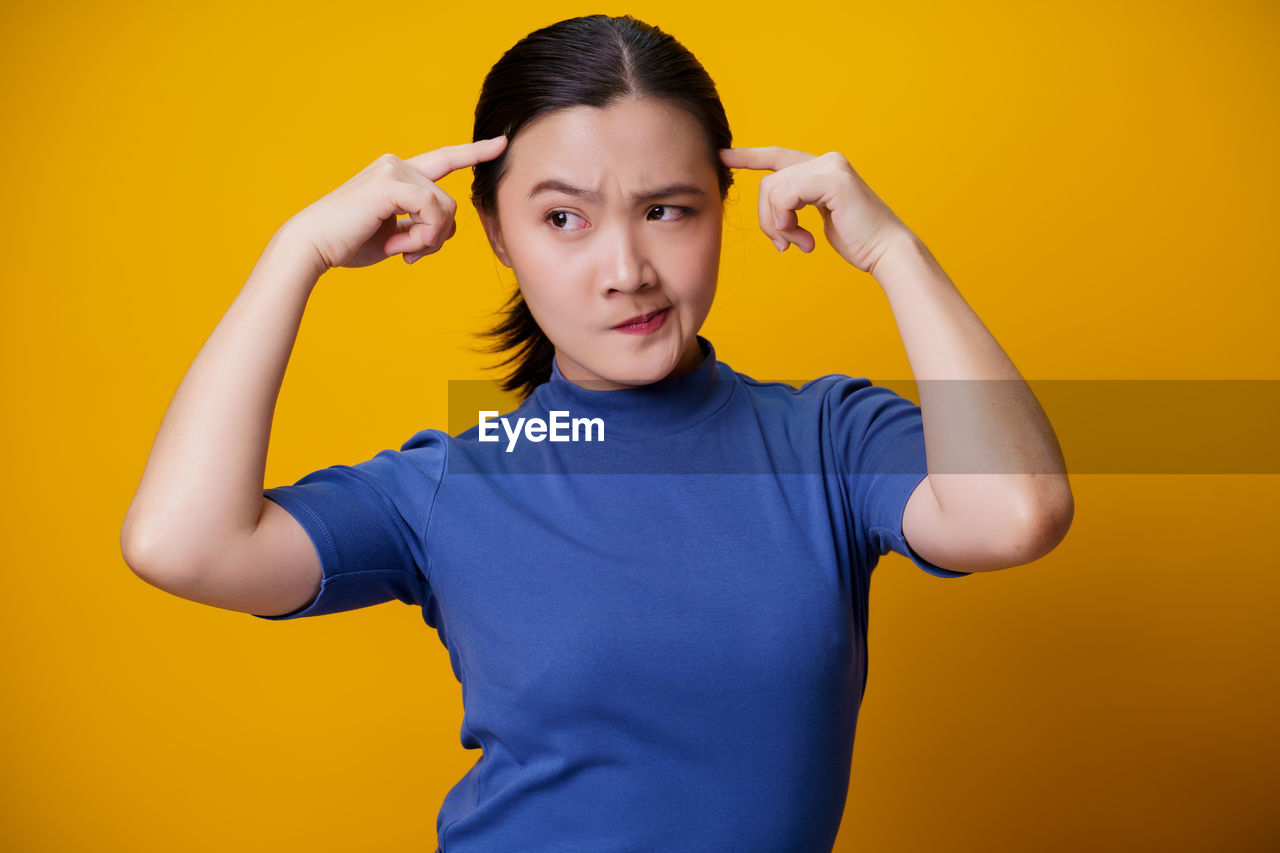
<point>635,370</point>
<point>647,372</point>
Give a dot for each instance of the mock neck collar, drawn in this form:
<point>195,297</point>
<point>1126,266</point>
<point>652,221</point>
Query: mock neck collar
<point>645,411</point>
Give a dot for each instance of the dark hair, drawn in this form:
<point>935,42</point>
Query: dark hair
<point>594,61</point>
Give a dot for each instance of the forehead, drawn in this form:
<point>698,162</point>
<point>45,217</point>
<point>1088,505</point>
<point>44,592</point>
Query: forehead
<point>630,143</point>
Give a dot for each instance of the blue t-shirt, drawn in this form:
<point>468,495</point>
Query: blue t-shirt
<point>660,635</point>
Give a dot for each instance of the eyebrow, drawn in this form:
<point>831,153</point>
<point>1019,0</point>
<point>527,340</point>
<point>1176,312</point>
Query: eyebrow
<point>553,185</point>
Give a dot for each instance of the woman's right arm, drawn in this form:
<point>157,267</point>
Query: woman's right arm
<point>199,526</point>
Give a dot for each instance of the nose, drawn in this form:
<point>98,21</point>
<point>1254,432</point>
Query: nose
<point>625,266</point>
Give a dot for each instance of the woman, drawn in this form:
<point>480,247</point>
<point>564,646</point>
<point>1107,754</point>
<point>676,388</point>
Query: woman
<point>652,577</point>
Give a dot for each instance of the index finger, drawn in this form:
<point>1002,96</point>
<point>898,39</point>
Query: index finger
<point>770,157</point>
<point>441,161</point>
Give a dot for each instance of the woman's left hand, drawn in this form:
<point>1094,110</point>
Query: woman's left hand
<point>857,223</point>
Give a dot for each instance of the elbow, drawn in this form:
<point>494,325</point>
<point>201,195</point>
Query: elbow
<point>1044,525</point>
<point>135,543</point>
<point>145,560</point>
<point>137,546</point>
<point>131,547</point>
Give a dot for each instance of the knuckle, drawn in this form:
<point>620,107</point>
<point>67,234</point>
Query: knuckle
<point>841,161</point>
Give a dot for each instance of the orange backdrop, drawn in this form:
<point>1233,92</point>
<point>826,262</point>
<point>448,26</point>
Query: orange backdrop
<point>1098,178</point>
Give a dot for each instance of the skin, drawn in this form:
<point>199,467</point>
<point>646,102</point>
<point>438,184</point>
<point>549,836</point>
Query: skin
<point>597,262</point>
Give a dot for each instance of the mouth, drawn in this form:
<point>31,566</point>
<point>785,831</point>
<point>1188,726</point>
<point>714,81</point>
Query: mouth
<point>644,323</point>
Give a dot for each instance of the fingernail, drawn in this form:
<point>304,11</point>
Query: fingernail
<point>780,245</point>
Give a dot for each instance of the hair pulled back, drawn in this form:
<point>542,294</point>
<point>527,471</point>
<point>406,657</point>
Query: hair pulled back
<point>594,60</point>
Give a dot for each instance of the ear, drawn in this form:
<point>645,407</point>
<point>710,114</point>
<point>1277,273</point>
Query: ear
<point>493,231</point>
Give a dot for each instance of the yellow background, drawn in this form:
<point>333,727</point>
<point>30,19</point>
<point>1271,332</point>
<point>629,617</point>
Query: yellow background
<point>1098,178</point>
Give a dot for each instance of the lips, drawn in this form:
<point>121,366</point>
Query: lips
<point>641,318</point>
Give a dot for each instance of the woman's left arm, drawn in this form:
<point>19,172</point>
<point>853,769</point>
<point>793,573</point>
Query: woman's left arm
<point>997,493</point>
<point>1011,496</point>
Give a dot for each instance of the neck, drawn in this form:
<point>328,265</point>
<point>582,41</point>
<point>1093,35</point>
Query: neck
<point>692,356</point>
<point>683,398</point>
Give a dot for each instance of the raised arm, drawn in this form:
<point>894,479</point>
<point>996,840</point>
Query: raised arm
<point>199,504</point>
<point>199,525</point>
<point>997,493</point>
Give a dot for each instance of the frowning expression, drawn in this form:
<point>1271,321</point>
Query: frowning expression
<point>606,215</point>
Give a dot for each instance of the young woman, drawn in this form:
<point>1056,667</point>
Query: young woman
<point>652,577</point>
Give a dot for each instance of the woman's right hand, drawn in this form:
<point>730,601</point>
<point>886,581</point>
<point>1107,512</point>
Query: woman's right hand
<point>357,224</point>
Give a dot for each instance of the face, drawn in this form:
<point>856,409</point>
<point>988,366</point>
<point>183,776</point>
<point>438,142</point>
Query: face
<point>606,215</point>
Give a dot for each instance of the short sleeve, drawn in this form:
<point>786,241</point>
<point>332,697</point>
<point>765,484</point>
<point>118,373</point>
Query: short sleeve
<point>879,441</point>
<point>368,524</point>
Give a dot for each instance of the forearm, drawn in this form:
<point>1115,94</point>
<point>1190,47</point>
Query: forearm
<point>202,483</point>
<point>990,422</point>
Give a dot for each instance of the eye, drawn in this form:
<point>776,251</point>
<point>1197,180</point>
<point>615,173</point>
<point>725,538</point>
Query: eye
<point>684,211</point>
<point>554,217</point>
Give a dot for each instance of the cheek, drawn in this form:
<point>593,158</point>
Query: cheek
<point>552,310</point>
<point>542,308</point>
<point>535,269</point>
<point>698,264</point>
<point>548,266</point>
<point>703,243</point>
<point>527,248</point>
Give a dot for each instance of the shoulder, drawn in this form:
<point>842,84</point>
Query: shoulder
<point>836,403</point>
<point>800,389</point>
<point>428,449</point>
<point>856,398</point>
<point>819,395</point>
